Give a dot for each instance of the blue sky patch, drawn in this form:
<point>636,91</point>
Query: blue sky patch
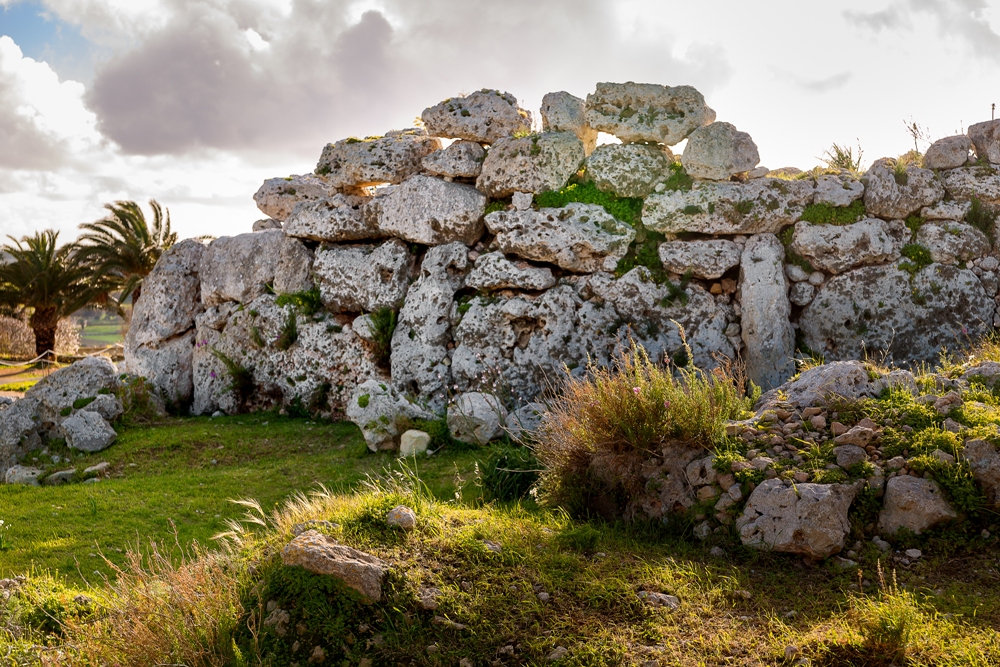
<point>44,37</point>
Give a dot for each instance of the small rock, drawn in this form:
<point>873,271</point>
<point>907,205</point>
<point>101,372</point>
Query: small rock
<point>317,656</point>
<point>881,544</point>
<point>558,653</point>
<point>791,651</point>
<point>22,475</point>
<point>717,552</point>
<point>858,436</point>
<point>703,530</point>
<point>849,455</point>
<point>913,553</point>
<point>543,597</point>
<point>448,623</point>
<point>60,477</point>
<point>495,547</point>
<point>413,442</point>
<point>403,517</point>
<point>660,599</point>
<point>942,456</point>
<point>844,563</point>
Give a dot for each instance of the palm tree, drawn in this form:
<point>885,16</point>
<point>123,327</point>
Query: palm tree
<point>123,247</point>
<point>50,281</point>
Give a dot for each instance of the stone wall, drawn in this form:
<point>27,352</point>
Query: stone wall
<point>448,240</point>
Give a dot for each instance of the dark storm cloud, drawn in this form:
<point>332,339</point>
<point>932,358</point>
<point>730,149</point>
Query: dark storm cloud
<point>198,83</point>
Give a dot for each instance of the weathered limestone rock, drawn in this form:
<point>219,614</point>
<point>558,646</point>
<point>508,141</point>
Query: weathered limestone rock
<point>535,163</point>
<point>88,432</point>
<point>562,112</point>
<point>986,138</point>
<point>363,278</point>
<point>277,197</point>
<point>910,318</point>
<point>984,372</point>
<point>889,194</point>
<point>493,271</point>
<point>838,190</point>
<point>667,490</point>
<point>58,391</point>
<point>335,219</point>
<point>476,418</point>
<point>353,163</point>
<point>702,472</point>
<point>757,206</point>
<point>984,460</point>
<point>952,242</point>
<point>484,116</point>
<point>381,414</point>
<point>946,210</point>
<point>846,379</point>
<point>981,182</point>
<point>429,211</point>
<point>948,153</point>
<point>767,333</point>
<point>837,248</point>
<point>265,224</point>
<point>320,554</point>
<point>19,424</point>
<point>522,423</point>
<point>718,151</point>
<point>579,237</point>
<point>22,475</point>
<point>293,268</point>
<point>914,503</point>
<point>106,405</point>
<point>647,112</point>
<point>462,159</point>
<point>849,455</point>
<point>707,260</point>
<point>238,268</point>
<point>629,170</point>
<point>413,442</point>
<point>801,294</point>
<point>807,519</point>
<point>168,365</point>
<point>402,517</point>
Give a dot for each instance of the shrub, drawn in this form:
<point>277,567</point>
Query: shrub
<point>679,180</point>
<point>496,205</point>
<point>139,403</point>
<point>507,473</point>
<point>887,623</point>
<point>307,302</point>
<point>842,157</point>
<point>241,379</point>
<point>982,217</point>
<point>289,332</point>
<point>826,214</point>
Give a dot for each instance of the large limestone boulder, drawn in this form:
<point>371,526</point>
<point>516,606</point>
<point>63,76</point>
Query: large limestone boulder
<point>19,424</point>
<point>835,379</point>
<point>578,237</point>
<point>562,112</point>
<point>239,268</point>
<point>984,460</point>
<point>718,151</point>
<point>885,308</point>
<point>838,189</point>
<point>88,432</point>
<point>914,503</point>
<point>334,219</point>
<point>629,170</point>
<point>493,271</point>
<point>837,248</point>
<point>890,193</point>
<point>462,159</point>
<point>948,153</point>
<point>57,392</point>
<point>951,242</point>
<point>707,260</point>
<point>168,365</point>
<point>363,278</point>
<point>535,163</point>
<point>647,112</point>
<point>476,418</point>
<point>278,197</point>
<point>429,211</point>
<point>982,182</point>
<point>767,332</point>
<point>806,519</point>
<point>320,554</point>
<point>382,414</point>
<point>485,116</point>
<point>293,268</point>
<point>757,206</point>
<point>986,138</point>
<point>353,163</point>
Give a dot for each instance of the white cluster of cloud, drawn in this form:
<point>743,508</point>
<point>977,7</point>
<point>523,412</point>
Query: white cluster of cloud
<point>194,102</point>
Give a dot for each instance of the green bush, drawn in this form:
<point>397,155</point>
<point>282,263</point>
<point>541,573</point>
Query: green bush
<point>826,214</point>
<point>507,473</point>
<point>918,256</point>
<point>982,217</point>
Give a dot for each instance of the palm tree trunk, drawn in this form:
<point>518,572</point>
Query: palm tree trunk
<point>136,293</point>
<point>44,322</point>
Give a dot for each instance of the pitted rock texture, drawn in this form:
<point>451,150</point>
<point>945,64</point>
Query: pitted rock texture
<point>239,268</point>
<point>493,271</point>
<point>767,332</point>
<point>57,392</point>
<point>429,211</point>
<point>985,137</point>
<point>891,192</point>
<point>18,431</point>
<point>836,379</point>
<point>838,190</point>
<point>946,210</point>
<point>462,159</point>
<point>984,460</point>
<point>352,163</point>
<point>913,503</point>
<point>265,224</point>
<point>382,414</point>
<point>629,170</point>
<point>320,554</point>
<point>952,242</point>
<point>757,206</point>
<point>982,182</point>
<point>535,163</point>
<point>705,259</point>
<point>562,112</point>
<point>718,151</point>
<point>335,219</point>
<point>647,112</point>
<point>837,248</point>
<point>476,418</point>
<point>363,278</point>
<point>168,365</point>
<point>88,432</point>
<point>278,197</point>
<point>294,267</point>
<point>484,116</point>
<point>911,318</point>
<point>948,153</point>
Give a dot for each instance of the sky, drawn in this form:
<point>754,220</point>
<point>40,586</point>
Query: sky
<point>195,102</point>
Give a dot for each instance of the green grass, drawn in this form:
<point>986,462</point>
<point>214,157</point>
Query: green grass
<point>825,214</point>
<point>626,209</point>
<point>101,334</point>
<point>19,386</point>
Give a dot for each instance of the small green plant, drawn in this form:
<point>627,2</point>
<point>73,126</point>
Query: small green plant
<point>289,333</point>
<point>241,381</point>
<point>918,256</point>
<point>255,336</point>
<point>496,205</point>
<point>899,172</point>
<point>691,209</point>
<point>307,302</point>
<point>679,180</point>
<point>914,223</point>
<point>843,157</point>
<point>363,400</point>
<point>786,237</point>
<point>826,214</point>
<point>982,217</point>
<point>383,323</point>
<point>887,622</point>
<point>5,543</point>
<point>626,209</point>
<point>584,538</point>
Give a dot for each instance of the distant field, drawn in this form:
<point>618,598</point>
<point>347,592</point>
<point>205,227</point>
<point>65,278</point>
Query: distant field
<point>101,334</point>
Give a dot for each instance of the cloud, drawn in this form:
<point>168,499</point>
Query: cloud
<point>891,18</point>
<point>824,85</point>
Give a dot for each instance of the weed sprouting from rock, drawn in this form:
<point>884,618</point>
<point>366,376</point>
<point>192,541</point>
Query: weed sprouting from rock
<point>843,157</point>
<point>289,333</point>
<point>383,324</point>
<point>241,381</point>
<point>982,217</point>
<point>307,302</point>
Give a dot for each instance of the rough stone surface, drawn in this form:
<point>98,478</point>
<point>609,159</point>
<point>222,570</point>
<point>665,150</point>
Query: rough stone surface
<point>757,206</point>
<point>849,455</point>
<point>476,418</point>
<point>767,333</point>
<point>18,431</point>
<point>413,442</point>
<point>335,219</point>
<point>522,423</point>
<point>984,460</point>
<point>838,248</point>
<point>946,210</point>
<point>948,153</point>
<point>22,475</point>
<point>265,224</point>
<point>403,517</point>
<point>807,519</point>
<point>981,182</point>
<point>913,503</point>
<point>293,269</point>
<point>429,211</point>
<point>484,116</point>
<point>891,195</point>
<point>629,170</point>
<point>88,432</point>
<point>493,271</point>
<point>801,294</point>
<point>168,365</point>
<point>838,190</point>
<point>562,112</point>
<point>812,387</point>
<point>718,151</point>
<point>380,412</point>
<point>353,163</point>
<point>535,163</point>
<point>321,554</point>
<point>363,278</point>
<point>462,159</point>
<point>579,237</point>
<point>986,138</point>
<point>106,405</point>
<point>647,112</point>
<point>277,197</point>
<point>952,242</point>
<point>706,259</point>
<point>910,318</point>
<point>238,268</point>
<point>58,391</point>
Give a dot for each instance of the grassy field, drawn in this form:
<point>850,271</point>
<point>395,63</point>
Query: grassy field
<point>101,334</point>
